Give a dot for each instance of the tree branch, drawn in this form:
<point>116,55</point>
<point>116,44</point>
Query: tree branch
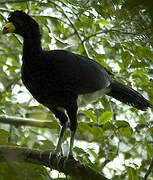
<point>17,121</point>
<point>5,10</point>
<point>14,1</point>
<point>73,26</point>
<point>72,168</point>
<point>149,170</point>
<point>110,30</point>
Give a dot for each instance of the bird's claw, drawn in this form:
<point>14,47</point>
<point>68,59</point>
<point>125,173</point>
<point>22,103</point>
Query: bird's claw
<point>69,160</point>
<point>55,158</point>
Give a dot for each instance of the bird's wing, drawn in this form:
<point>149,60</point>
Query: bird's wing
<point>78,73</point>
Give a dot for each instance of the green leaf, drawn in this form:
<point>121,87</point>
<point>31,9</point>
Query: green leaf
<point>90,114</point>
<point>97,133</point>
<point>108,126</point>
<point>4,136</point>
<point>84,127</point>
<point>132,173</point>
<point>102,21</point>
<point>150,149</point>
<point>121,124</point>
<point>92,151</point>
<point>106,43</point>
<point>106,116</point>
<point>79,150</point>
<point>125,128</point>
<point>151,131</point>
<point>126,58</point>
<point>127,132</point>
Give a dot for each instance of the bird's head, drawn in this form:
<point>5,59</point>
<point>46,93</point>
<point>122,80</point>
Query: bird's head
<point>21,23</point>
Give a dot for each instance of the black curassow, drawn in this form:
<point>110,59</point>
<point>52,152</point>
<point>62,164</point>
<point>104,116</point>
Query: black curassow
<point>63,81</point>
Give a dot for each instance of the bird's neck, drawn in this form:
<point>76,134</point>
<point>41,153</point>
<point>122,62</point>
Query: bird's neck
<point>32,47</point>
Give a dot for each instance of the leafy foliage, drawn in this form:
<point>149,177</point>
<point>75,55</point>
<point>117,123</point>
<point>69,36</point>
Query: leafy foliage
<point>113,139</point>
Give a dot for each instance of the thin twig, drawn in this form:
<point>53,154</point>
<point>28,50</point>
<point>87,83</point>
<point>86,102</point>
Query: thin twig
<point>15,1</point>
<point>13,82</point>
<point>110,30</point>
<point>73,26</point>
<point>50,17</point>
<point>5,10</point>
<point>149,170</point>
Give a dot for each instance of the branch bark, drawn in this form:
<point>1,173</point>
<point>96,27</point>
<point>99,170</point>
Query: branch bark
<point>18,121</point>
<point>73,168</point>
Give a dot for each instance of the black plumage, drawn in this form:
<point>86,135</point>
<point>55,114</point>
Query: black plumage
<point>57,78</point>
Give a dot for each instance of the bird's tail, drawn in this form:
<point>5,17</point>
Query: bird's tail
<point>128,96</point>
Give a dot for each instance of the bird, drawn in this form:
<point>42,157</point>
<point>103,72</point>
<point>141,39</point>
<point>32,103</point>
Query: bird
<point>63,81</point>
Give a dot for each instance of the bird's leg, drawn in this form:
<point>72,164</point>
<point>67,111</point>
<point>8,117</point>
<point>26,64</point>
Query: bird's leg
<point>70,154</point>
<point>60,140</point>
<point>72,114</point>
<point>60,114</point>
<point>59,144</point>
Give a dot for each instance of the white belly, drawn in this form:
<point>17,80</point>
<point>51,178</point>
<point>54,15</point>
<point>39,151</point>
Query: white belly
<point>85,99</point>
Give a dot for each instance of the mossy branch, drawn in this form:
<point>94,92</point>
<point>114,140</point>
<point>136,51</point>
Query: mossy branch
<point>72,168</point>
